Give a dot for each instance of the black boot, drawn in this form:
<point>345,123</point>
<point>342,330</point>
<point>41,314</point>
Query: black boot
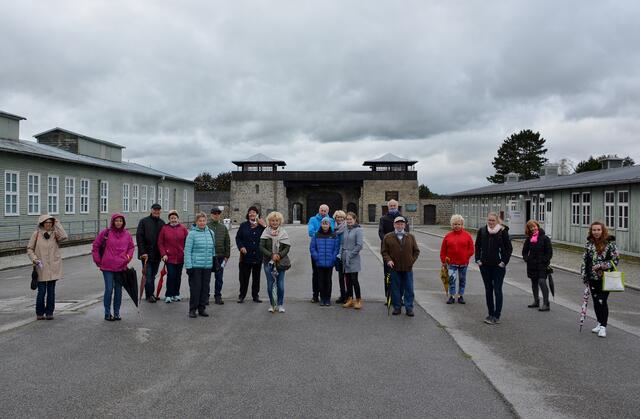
<point>535,304</point>
<point>203,313</point>
<point>192,314</point>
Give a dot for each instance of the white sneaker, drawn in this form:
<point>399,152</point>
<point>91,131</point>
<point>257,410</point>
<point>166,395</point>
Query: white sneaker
<point>177,298</point>
<point>167,299</point>
<point>603,332</point>
<point>271,310</point>
<point>596,329</point>
<point>281,309</point>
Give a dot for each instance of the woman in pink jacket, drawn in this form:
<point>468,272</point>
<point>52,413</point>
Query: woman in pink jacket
<point>112,251</point>
<point>171,245</point>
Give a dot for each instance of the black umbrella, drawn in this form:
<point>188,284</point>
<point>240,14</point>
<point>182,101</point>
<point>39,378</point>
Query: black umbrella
<point>34,278</point>
<point>129,281</point>
<point>552,287</point>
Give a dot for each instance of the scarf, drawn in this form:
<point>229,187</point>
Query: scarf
<point>534,237</point>
<point>494,230</point>
<point>394,213</point>
<point>340,228</point>
<point>277,237</point>
<point>399,234</point>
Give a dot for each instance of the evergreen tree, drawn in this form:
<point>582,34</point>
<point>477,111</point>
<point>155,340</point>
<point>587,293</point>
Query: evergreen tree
<point>521,153</point>
<point>204,182</point>
<point>588,165</point>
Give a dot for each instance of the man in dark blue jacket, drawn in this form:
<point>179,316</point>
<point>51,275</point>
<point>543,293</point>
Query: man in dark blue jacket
<point>148,252</point>
<point>248,243</point>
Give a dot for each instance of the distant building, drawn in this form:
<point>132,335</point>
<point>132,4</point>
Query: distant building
<point>79,179</point>
<point>298,194</point>
<point>206,200</point>
<point>565,206</point>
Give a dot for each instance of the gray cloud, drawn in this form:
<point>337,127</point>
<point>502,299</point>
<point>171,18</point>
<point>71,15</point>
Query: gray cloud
<point>327,85</point>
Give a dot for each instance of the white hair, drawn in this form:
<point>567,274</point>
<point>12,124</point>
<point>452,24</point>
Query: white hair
<point>455,218</point>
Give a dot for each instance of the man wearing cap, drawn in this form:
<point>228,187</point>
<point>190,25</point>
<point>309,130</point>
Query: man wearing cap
<point>148,251</point>
<point>223,251</point>
<point>314,225</point>
<point>399,252</point>
<point>385,227</point>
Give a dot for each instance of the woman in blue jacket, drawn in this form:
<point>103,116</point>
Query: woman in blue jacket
<point>199,251</point>
<point>324,249</point>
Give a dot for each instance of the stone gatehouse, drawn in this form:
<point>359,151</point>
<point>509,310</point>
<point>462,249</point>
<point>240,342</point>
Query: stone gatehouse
<point>298,194</point>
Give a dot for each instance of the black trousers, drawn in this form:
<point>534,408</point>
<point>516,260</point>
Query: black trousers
<point>199,284</point>
<point>247,271</point>
<point>324,283</point>
<point>352,284</point>
<point>600,305</point>
<point>315,288</point>
<point>540,283</point>
<point>342,281</point>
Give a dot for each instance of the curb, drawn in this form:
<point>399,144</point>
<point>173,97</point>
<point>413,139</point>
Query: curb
<point>562,268</point>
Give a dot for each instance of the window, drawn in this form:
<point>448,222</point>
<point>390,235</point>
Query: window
<point>145,203</point>
<point>69,195</point>
<point>84,196</point>
<point>389,195</point>
<point>575,208</point>
<point>257,189</point>
<point>623,210</point>
<point>152,195</point>
<point>586,208</point>
<point>160,195</point>
<point>609,209</point>
<point>371,210</point>
<point>11,193</point>
<point>166,199</point>
<point>33,192</point>
<point>52,194</point>
<point>541,210</point>
<point>134,198</point>
<point>104,197</point>
<point>185,200</point>
<point>125,197</point>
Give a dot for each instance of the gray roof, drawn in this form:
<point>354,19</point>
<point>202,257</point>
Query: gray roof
<point>621,175</point>
<point>12,116</point>
<point>30,148</point>
<point>259,158</point>
<point>95,140</point>
<point>388,158</point>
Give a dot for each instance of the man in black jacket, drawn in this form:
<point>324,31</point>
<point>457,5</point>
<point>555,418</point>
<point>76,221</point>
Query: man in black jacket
<point>148,252</point>
<point>386,226</point>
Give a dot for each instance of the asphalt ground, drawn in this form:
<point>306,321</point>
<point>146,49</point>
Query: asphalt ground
<point>243,361</point>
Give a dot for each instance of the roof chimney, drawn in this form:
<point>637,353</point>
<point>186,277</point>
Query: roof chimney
<point>611,162</point>
<point>511,178</point>
<point>549,170</point>
<point>10,126</point>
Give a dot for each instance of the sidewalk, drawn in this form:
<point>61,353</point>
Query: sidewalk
<point>562,258</point>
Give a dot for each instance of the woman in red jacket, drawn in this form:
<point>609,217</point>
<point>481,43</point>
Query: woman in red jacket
<point>171,245</point>
<point>457,248</point>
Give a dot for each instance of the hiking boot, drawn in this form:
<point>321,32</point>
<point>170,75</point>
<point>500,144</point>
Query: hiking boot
<point>410,313</point>
<point>461,300</point>
<point>349,303</point>
<point>603,332</point>
<point>545,307</point>
<point>451,300</point>
<point>358,304</point>
<point>203,313</point>
<point>596,329</point>
<point>535,304</point>
<point>219,301</point>
<point>109,318</point>
<point>192,314</point>
<point>396,311</point>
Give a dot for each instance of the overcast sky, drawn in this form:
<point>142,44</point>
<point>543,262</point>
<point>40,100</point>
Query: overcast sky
<point>188,86</point>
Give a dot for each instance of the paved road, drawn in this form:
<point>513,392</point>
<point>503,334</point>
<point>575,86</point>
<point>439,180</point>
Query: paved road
<point>309,362</point>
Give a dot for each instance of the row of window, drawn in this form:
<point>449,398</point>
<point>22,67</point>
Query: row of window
<point>135,198</point>
<point>581,209</point>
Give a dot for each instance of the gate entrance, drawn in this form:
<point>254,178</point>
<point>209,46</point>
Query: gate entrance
<point>430,214</point>
<point>315,199</point>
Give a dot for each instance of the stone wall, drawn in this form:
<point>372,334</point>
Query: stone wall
<point>444,209</point>
<point>268,195</point>
<point>373,193</point>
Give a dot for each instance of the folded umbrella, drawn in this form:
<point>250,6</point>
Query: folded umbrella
<point>583,309</point>
<point>143,279</point>
<point>163,273</point>
<point>129,281</point>
<point>387,281</point>
<point>444,275</point>
<point>274,288</point>
<point>552,287</point>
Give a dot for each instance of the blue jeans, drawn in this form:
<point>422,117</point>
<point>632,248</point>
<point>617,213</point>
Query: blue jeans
<point>48,288</point>
<point>217,287</point>
<point>493,277</point>
<point>174,279</point>
<point>150,283</point>
<point>461,270</point>
<point>270,281</point>
<point>402,287</point>
<point>112,285</point>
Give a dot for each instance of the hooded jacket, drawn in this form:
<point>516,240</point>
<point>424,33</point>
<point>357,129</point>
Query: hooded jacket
<point>491,249</point>
<point>116,246</point>
<point>458,247</point>
<point>350,249</point>
<point>324,248</point>
<point>171,242</point>
<point>537,255</point>
<point>47,250</point>
<point>315,223</point>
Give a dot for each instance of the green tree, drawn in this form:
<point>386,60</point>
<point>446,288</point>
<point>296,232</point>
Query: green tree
<point>424,192</point>
<point>521,153</point>
<point>204,182</point>
<point>222,182</point>
<point>588,165</point>
<point>628,161</point>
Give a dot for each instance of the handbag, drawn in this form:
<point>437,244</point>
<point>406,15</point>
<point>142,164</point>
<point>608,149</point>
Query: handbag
<point>34,278</point>
<point>613,281</point>
<point>285,263</point>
